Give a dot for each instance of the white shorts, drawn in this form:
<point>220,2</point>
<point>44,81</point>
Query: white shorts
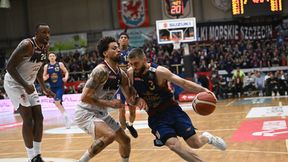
<point>86,120</point>
<point>19,96</point>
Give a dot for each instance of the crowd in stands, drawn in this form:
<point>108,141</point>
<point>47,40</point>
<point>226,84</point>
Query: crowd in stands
<point>205,57</point>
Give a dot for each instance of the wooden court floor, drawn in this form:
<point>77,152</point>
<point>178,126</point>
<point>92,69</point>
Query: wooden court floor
<point>224,122</point>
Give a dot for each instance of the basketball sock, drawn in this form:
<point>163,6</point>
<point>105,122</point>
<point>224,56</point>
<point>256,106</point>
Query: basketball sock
<point>37,147</point>
<point>125,159</point>
<point>30,153</point>
<point>85,157</point>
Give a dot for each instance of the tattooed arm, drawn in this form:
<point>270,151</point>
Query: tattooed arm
<point>97,78</point>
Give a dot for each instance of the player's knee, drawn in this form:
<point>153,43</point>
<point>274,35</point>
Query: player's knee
<point>126,140</point>
<point>28,122</point>
<point>173,144</point>
<point>39,118</point>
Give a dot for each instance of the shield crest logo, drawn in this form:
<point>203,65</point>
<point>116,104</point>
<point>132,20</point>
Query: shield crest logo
<point>133,13</point>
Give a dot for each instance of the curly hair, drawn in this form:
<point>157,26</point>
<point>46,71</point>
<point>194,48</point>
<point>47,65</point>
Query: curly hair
<point>103,45</point>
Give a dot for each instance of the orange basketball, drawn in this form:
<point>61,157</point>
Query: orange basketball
<point>204,103</point>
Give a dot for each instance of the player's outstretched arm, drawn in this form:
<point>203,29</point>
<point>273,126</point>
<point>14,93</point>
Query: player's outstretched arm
<point>165,74</point>
<point>97,78</point>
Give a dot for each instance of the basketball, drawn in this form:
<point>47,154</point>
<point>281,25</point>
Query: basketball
<point>204,103</point>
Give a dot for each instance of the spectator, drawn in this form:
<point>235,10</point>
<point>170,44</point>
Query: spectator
<point>238,78</point>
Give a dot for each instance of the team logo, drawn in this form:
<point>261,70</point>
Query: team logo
<point>133,12</point>
<point>223,5</point>
<point>57,68</point>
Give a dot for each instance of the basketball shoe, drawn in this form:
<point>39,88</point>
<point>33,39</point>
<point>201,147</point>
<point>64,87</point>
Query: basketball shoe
<point>215,141</point>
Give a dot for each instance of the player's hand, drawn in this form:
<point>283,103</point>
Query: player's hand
<point>46,77</point>
<point>213,95</point>
<point>116,104</point>
<point>64,80</point>
<point>29,89</point>
<point>49,93</point>
<point>142,104</point>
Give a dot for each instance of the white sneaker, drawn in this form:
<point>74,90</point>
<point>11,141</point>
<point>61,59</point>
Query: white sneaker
<point>67,122</point>
<point>215,141</point>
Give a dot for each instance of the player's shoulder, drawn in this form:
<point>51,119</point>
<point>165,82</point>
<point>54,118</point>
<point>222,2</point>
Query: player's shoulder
<point>100,68</point>
<point>161,70</point>
<point>27,43</point>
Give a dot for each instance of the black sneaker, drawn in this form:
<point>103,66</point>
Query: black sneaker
<point>132,130</point>
<point>37,158</point>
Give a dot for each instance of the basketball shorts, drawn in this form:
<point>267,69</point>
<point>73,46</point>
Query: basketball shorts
<point>59,91</point>
<point>86,120</point>
<point>171,122</point>
<point>19,96</point>
<point>120,95</point>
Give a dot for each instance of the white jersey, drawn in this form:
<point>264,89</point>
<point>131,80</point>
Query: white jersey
<point>29,66</point>
<point>106,91</point>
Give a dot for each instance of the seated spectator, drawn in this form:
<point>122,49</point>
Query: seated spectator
<point>260,83</point>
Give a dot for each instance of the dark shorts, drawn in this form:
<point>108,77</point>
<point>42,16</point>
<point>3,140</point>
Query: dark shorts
<point>171,122</point>
<point>59,91</point>
<point>122,97</point>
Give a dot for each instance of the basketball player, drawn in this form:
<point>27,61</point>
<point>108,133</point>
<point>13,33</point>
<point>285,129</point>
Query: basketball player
<point>166,118</point>
<point>23,67</point>
<point>91,113</point>
<point>123,64</point>
<point>53,72</point>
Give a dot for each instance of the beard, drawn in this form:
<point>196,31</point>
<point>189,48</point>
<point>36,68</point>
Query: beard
<point>116,59</point>
<point>141,70</point>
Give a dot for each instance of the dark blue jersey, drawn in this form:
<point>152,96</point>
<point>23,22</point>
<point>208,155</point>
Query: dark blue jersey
<point>55,75</point>
<point>147,87</point>
<point>124,56</point>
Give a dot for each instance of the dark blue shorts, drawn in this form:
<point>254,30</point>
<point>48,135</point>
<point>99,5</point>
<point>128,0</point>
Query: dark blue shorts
<point>59,91</point>
<point>171,122</point>
<point>122,97</point>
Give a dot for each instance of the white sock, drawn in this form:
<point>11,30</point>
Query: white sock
<point>64,113</point>
<point>85,157</point>
<point>30,153</point>
<point>125,159</point>
<point>37,147</point>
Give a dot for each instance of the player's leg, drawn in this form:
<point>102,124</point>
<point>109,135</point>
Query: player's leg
<point>124,145</point>
<point>185,129</point>
<point>132,115</point>
<point>122,117</point>
<point>19,99</point>
<point>104,136</point>
<point>163,129</point>
<point>184,152</point>
<point>121,111</point>
<point>27,129</point>
<point>58,102</point>
<point>121,138</point>
<point>37,131</point>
